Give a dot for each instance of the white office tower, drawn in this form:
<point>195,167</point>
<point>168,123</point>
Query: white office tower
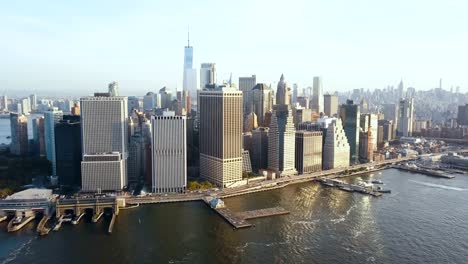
<point>245,85</point>
<point>104,133</point>
<point>282,134</point>
<point>220,130</point>
<point>190,74</point>
<point>317,96</point>
<point>336,148</point>
<point>207,74</point>
<point>405,117</point>
<point>169,153</point>
<point>51,117</point>
<point>114,89</point>
<point>33,102</point>
<point>26,106</point>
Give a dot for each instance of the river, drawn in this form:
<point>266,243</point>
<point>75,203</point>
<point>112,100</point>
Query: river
<point>423,220</point>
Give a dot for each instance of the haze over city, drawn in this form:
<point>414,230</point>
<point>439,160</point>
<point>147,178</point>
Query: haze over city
<point>76,48</point>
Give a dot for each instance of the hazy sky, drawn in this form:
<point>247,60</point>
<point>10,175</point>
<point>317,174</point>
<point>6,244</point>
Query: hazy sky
<point>80,46</point>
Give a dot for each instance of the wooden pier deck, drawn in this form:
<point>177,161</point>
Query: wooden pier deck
<point>262,213</point>
<point>232,218</point>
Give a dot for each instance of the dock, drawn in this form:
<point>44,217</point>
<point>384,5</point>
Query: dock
<point>96,217</point>
<point>77,219</point>
<point>429,172</point>
<point>42,230</point>
<point>13,228</point>
<point>111,225</point>
<point>349,187</point>
<point>239,219</point>
<point>232,218</point>
<point>259,213</point>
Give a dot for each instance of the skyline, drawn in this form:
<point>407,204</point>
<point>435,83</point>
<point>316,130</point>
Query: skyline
<point>65,47</point>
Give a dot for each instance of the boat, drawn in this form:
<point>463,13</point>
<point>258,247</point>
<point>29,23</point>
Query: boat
<point>377,182</point>
<point>327,182</point>
<point>17,220</point>
<point>345,188</point>
<point>364,184</point>
<point>382,190</point>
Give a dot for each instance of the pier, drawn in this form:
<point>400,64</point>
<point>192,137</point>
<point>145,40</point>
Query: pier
<point>13,227</point>
<point>111,225</point>
<point>349,187</point>
<point>426,171</point>
<point>239,220</point>
<point>42,230</point>
<point>259,213</point>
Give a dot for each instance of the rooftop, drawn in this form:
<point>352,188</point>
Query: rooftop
<point>33,193</point>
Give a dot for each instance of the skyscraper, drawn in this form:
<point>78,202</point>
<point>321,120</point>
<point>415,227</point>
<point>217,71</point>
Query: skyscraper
<point>330,105</point>
<point>19,134</point>
<point>220,129</point>
<point>104,132</point>
<point>33,102</point>
<point>370,122</point>
<point>281,138</point>
<point>259,154</point>
<point>169,153</point>
<point>405,117</point>
<point>462,115</point>
<point>317,96</point>
<point>350,117</point>
<point>39,136</point>
<point>366,146</point>
<point>336,147</point>
<point>51,117</point>
<point>262,101</point>
<point>4,103</point>
<point>166,97</point>
<point>190,73</point>
<point>308,151</point>
<point>245,85</point>
<point>294,94</point>
<point>114,88</point>
<point>151,101</point>
<point>68,151</point>
<point>207,74</point>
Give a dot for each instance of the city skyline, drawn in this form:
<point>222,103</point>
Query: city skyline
<point>88,47</point>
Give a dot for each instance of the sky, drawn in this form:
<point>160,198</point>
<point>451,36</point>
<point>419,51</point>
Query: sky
<point>78,47</point>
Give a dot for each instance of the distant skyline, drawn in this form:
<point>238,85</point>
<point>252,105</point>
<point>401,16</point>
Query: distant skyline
<point>78,48</point>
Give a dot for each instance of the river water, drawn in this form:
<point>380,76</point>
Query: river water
<point>423,220</point>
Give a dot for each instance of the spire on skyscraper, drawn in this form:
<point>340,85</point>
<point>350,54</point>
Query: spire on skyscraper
<point>188,36</point>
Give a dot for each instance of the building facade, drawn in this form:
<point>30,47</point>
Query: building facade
<point>19,134</point>
<point>207,74</point>
<point>104,132</point>
<point>405,118</point>
<point>68,151</point>
<point>281,138</point>
<point>245,85</point>
<point>350,116</point>
<point>220,129</point>
<point>330,105</point>
<point>308,151</point>
<point>317,96</point>
<point>262,101</point>
<point>51,118</point>
<point>336,149</point>
<point>169,153</point>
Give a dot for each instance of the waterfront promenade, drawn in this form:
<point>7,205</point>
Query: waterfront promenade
<point>260,186</point>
